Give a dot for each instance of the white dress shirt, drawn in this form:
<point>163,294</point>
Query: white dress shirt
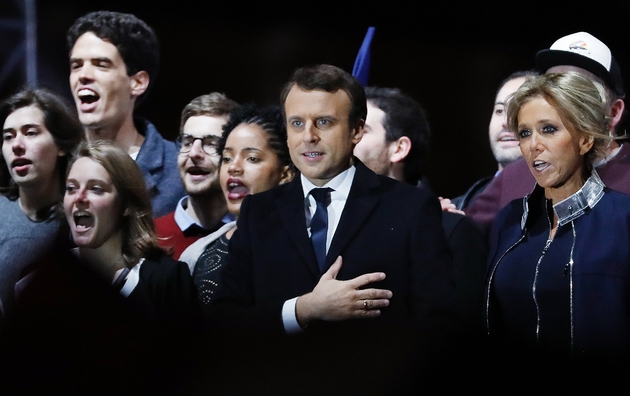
<point>341,185</point>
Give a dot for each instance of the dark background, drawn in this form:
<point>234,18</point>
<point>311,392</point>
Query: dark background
<point>448,56</point>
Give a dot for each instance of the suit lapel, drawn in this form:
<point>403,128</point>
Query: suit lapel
<point>290,205</point>
<point>361,202</point>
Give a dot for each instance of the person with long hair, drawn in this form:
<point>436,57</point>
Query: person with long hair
<point>109,213</point>
<point>109,305</point>
<point>39,135</point>
<point>254,158</point>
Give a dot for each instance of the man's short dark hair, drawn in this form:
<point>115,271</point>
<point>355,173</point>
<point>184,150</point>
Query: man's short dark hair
<point>404,116</point>
<point>135,40</point>
<point>513,76</point>
<point>330,79</point>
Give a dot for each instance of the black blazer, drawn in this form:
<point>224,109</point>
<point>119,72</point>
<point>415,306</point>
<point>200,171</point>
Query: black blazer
<point>386,226</point>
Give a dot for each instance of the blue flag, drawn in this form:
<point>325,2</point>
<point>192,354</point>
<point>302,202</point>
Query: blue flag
<point>362,63</point>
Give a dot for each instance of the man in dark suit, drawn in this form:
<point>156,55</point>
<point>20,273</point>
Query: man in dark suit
<point>396,142</point>
<point>376,313</point>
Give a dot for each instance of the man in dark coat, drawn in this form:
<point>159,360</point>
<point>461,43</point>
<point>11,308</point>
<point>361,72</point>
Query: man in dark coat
<point>373,316</point>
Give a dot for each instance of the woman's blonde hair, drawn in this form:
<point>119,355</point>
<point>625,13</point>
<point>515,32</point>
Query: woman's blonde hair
<point>581,103</point>
<point>138,228</point>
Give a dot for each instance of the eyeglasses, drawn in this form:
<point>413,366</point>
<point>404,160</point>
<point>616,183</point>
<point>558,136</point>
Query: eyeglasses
<point>209,143</point>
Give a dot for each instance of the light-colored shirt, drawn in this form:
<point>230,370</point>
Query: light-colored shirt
<point>338,197</point>
<point>185,221</point>
<point>341,185</point>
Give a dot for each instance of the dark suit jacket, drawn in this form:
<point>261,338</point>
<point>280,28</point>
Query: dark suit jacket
<point>386,226</point>
<point>469,255</point>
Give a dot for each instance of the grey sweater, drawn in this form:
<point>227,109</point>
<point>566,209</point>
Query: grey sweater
<point>22,242</point>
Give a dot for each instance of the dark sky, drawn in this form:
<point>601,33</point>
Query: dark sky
<point>449,57</point>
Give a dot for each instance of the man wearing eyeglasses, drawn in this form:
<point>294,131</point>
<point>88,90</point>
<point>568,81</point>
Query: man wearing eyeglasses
<point>203,210</point>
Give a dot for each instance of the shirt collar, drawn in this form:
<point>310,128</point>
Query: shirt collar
<point>586,197</point>
<point>612,155</point>
<point>340,184</point>
<point>575,205</point>
<point>185,221</point>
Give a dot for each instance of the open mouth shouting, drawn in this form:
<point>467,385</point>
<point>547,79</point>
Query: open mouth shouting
<point>83,221</point>
<point>236,189</point>
<point>88,99</point>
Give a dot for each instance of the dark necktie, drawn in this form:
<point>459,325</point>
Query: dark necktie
<point>319,223</point>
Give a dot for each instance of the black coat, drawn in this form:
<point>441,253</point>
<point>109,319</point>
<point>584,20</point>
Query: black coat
<point>386,226</point>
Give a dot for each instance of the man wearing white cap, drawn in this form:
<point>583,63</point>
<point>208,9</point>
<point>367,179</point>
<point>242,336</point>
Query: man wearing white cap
<point>584,53</point>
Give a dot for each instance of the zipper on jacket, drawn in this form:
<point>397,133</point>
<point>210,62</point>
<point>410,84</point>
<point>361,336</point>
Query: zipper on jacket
<point>542,255</point>
<point>491,277</point>
<point>570,271</point>
<point>536,271</point>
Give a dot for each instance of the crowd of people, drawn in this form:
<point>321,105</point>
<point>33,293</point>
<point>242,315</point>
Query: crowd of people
<point>297,248</point>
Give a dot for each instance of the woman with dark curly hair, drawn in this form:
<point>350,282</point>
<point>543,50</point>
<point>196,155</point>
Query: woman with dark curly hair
<point>254,158</point>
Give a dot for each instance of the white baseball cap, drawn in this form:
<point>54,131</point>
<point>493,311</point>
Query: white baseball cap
<point>583,50</point>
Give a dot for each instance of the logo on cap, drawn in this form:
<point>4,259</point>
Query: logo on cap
<point>579,47</point>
